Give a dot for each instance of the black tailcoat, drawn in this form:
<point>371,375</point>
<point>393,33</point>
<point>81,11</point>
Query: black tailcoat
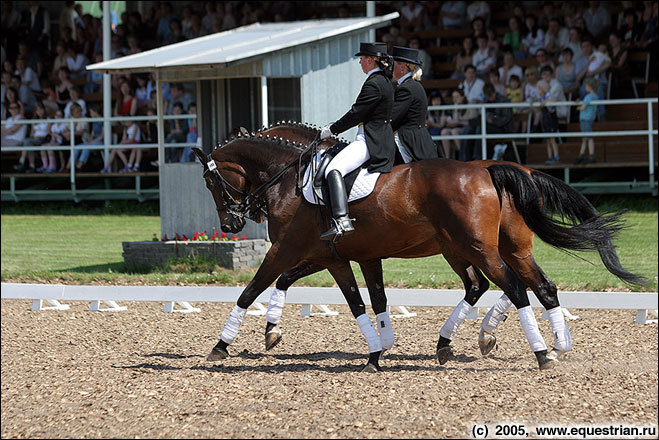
<point>409,118</point>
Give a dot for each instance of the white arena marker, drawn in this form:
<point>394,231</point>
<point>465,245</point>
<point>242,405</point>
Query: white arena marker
<point>112,306</point>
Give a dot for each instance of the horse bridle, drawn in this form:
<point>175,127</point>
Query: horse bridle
<point>253,203</point>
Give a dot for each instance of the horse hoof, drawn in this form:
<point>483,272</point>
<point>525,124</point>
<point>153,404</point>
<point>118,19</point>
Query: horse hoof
<point>548,364</point>
<point>370,368</point>
<point>444,354</point>
<point>555,354</point>
<point>217,354</point>
<point>486,342</point>
<point>272,338</point>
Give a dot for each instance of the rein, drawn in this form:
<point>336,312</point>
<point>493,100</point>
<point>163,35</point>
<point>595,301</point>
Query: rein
<point>253,202</point>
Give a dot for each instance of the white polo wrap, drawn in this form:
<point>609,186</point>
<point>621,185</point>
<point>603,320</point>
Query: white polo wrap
<point>371,336</point>
<point>450,327</point>
<point>233,324</point>
<point>386,330</point>
<point>496,314</point>
<point>563,340</point>
<point>275,306</point>
<point>531,330</point>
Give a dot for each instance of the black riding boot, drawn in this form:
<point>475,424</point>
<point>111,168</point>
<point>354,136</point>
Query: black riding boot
<point>342,224</point>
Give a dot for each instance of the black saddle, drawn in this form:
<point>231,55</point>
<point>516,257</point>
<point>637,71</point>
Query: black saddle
<point>319,181</point>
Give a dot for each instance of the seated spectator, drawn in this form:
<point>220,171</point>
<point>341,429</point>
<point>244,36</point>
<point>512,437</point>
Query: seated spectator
<point>11,97</point>
<point>229,19</point>
<point>133,45</point>
<point>556,37</point>
<point>176,32</point>
<point>597,19</point>
<point>472,86</point>
<point>534,39</point>
<point>94,78</point>
<point>178,133</point>
<point>207,20</point>
<point>28,76</point>
<point>39,135</point>
<point>514,90</point>
<point>76,62</point>
<point>483,59</point>
<point>648,39</point>
<point>49,98</point>
<point>464,57</point>
<point>196,30</point>
<point>498,120</point>
<point>575,46</point>
<point>566,73</point>
<point>412,15</point>
<point>513,38</point>
<point>141,92</point>
<point>543,60</point>
<point>76,98</point>
<point>13,135</point>
<point>25,94</point>
<point>549,124</point>
<point>452,15</point>
<point>494,79</point>
<point>164,30</point>
<point>546,15</point>
<point>80,131</point>
<point>553,91</point>
<point>83,45</point>
<point>95,137</point>
<point>126,139</point>
<point>186,19</point>
<point>191,136</point>
<point>479,9</point>
<point>630,29</point>
<point>126,104</point>
<point>132,135</point>
<point>477,26</point>
<point>426,60</point>
<point>60,59</point>
<point>56,139</point>
<point>32,58</point>
<point>492,41</point>
<point>457,123</point>
<point>63,89</point>
<point>509,68</point>
<point>436,120</point>
<point>596,68</point>
<point>178,94</point>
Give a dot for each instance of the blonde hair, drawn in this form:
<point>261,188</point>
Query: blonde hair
<point>417,73</point>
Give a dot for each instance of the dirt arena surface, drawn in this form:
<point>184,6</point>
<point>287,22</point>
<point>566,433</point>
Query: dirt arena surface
<point>142,373</point>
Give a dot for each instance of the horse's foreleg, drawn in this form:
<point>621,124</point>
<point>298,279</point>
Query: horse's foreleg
<point>475,285</point>
<point>372,271</point>
<point>273,265</point>
<point>278,299</point>
<point>342,273</point>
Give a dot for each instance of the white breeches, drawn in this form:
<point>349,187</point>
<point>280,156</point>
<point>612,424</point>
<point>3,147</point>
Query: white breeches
<point>401,149</point>
<point>351,157</point>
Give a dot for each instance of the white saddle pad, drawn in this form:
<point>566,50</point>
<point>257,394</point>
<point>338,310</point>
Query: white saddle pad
<point>363,186</point>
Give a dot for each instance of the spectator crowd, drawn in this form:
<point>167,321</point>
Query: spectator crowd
<point>541,52</point>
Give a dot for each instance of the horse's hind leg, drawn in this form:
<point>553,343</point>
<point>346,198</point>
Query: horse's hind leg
<point>278,299</point>
<point>342,273</point>
<point>475,286</point>
<point>372,271</point>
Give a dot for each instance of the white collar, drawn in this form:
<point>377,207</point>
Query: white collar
<point>370,72</point>
<point>403,78</point>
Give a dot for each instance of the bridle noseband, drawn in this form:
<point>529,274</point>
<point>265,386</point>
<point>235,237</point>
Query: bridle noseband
<point>254,204</point>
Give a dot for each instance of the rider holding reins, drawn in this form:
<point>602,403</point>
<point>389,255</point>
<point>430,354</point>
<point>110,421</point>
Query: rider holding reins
<point>374,141</point>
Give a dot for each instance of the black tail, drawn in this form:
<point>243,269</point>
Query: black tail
<point>578,226</point>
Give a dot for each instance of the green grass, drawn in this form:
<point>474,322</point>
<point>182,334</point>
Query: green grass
<point>61,243</point>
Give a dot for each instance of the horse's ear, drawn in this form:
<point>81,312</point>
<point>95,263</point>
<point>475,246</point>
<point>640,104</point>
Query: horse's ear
<point>200,154</point>
<point>244,131</point>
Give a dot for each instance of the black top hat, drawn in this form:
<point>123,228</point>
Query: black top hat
<point>372,50</point>
<point>406,55</point>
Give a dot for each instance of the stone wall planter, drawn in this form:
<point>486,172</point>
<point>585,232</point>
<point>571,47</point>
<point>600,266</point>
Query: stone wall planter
<point>241,254</point>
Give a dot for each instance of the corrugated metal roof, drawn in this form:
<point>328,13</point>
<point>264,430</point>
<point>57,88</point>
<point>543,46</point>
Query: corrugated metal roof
<point>240,44</point>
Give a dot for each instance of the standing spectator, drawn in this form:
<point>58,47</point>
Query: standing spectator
<point>127,104</point>
<point>620,17</point>
<point>13,135</point>
<point>566,73</point>
<point>177,133</point>
<point>76,98</point>
<point>514,90</point>
<point>472,86</point>
<point>426,60</point>
<point>569,14</point>
<point>556,37</point>
<point>28,76</point>
<point>597,19</point>
<point>531,94</point>
<point>535,38</point>
<point>114,20</point>
<point>479,9</point>
<point>464,57</point>
<point>587,113</point>
<point>229,21</point>
<point>67,17</point>
<point>620,70</point>
<point>483,58</point>
<point>436,121</point>
<point>513,38</point>
<point>498,120</point>
<point>596,68</point>
<point>186,21</point>
<point>11,19</point>
<point>546,15</point>
<point>25,94</point>
<point>509,68</point>
<point>207,21</point>
<point>630,29</point>
<point>164,30</point>
<point>648,39</point>
<point>452,15</point>
<point>458,122</point>
<point>191,136</point>
<point>36,21</point>
<point>549,124</point>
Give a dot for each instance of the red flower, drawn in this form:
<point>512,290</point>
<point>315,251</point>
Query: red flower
<point>178,237</point>
<point>233,237</point>
<point>195,236</point>
<point>244,237</point>
<point>164,238</point>
<point>224,235</point>
<point>185,238</point>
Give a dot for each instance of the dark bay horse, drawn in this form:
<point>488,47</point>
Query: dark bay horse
<point>428,207</point>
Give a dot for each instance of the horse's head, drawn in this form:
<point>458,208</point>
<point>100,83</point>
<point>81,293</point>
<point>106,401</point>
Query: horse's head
<point>227,183</point>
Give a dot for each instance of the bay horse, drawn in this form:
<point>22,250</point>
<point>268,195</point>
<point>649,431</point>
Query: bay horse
<point>454,205</point>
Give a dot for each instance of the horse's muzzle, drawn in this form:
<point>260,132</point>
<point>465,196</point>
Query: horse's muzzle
<point>233,226</point>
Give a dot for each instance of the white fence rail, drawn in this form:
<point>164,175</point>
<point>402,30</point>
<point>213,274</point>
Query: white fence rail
<point>642,302</point>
